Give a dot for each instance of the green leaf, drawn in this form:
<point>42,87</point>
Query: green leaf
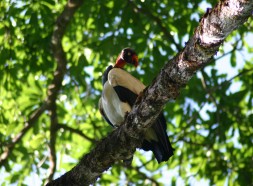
<point>233,59</point>
<point>36,141</point>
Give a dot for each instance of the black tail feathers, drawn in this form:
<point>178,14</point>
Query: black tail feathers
<point>161,152</point>
<point>162,148</point>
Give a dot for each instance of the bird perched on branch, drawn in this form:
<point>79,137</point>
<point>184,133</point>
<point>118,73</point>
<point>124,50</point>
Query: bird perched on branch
<point>120,91</point>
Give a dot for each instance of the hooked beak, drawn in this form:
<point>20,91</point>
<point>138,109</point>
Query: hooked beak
<point>135,60</point>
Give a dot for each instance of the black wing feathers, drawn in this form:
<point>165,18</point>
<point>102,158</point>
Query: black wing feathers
<point>105,74</point>
<point>125,95</point>
<point>164,144</point>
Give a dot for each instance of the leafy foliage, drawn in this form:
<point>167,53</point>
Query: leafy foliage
<point>210,124</point>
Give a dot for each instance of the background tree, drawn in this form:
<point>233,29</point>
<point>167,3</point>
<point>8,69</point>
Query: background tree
<point>48,120</point>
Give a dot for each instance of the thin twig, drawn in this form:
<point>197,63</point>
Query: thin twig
<point>140,173</point>
<point>76,131</point>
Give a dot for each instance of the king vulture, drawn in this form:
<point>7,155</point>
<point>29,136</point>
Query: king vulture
<point>120,90</point>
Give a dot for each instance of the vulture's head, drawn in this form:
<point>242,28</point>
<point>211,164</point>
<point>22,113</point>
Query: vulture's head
<point>127,56</point>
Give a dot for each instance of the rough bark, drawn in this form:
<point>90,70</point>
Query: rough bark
<point>214,26</point>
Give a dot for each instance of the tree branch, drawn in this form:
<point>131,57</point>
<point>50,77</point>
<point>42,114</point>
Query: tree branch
<point>214,27</point>
<point>52,142</point>
<point>60,57</point>
<point>31,121</point>
<point>55,86</point>
<point>76,131</point>
<point>224,83</point>
<point>145,177</point>
<point>58,52</point>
